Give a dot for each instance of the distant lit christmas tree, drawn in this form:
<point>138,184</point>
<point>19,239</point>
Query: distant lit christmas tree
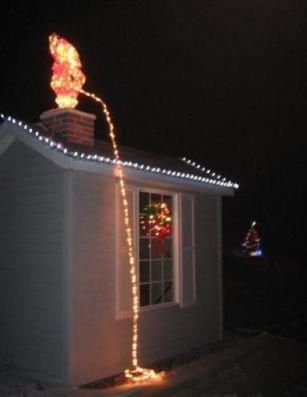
<point>251,245</point>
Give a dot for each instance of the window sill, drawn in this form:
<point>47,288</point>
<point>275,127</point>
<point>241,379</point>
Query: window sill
<point>159,306</point>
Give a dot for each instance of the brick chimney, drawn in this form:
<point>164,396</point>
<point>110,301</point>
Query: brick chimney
<point>71,125</point>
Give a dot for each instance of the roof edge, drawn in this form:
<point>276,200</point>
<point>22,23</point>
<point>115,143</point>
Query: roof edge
<point>65,158</point>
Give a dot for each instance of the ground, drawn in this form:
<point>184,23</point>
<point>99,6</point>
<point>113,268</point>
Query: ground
<point>263,352</point>
<point>243,365</point>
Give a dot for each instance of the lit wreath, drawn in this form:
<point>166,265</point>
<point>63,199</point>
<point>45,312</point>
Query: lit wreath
<point>156,221</point>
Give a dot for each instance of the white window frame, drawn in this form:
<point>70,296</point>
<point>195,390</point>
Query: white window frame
<point>176,247</point>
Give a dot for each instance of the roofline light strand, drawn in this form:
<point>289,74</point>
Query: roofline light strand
<point>97,158</point>
<point>218,178</point>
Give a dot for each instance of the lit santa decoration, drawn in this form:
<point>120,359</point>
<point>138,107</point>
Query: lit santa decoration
<point>68,78</point>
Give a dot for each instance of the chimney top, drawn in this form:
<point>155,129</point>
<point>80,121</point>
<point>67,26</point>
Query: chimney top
<point>71,125</point>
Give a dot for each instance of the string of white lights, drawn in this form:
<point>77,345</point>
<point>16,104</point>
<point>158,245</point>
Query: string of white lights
<point>130,164</point>
<point>208,171</point>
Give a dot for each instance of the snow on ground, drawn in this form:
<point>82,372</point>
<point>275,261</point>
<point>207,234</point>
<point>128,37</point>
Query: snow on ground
<point>257,366</point>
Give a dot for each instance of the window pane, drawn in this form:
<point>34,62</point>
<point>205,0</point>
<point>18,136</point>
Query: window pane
<point>169,201</point>
<point>168,249</point>
<point>144,294</point>
<point>144,201</point>
<point>156,248</point>
<point>144,248</point>
<point>144,205</point>
<point>144,272</point>
<point>156,198</point>
<point>168,291</point>
<point>167,267</point>
<point>156,293</point>
<point>156,271</point>
<point>143,226</point>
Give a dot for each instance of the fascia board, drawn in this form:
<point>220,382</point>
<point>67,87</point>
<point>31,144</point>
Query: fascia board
<point>11,132</point>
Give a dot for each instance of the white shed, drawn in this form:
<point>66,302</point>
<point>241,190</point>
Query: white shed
<point>65,307</point>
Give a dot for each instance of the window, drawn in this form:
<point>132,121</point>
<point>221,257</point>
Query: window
<point>156,248</point>
<point>167,272</point>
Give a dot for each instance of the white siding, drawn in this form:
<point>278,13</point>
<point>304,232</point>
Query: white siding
<point>58,275</point>
<point>93,334</point>
<point>32,308</point>
<point>100,342</point>
<point>187,250</point>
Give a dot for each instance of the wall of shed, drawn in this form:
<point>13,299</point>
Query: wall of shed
<point>100,344</point>
<point>32,271</point>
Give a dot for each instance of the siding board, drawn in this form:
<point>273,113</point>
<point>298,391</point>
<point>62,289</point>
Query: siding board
<point>101,342</point>
<point>31,262</point>
<point>58,275</point>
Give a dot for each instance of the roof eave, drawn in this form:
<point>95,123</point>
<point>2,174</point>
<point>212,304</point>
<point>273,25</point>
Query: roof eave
<point>11,131</point>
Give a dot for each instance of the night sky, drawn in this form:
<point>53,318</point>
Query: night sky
<point>222,82</point>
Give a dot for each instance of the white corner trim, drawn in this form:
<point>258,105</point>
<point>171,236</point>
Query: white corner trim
<point>68,269</point>
<point>193,301</point>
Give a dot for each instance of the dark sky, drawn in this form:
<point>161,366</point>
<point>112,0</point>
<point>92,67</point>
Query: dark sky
<point>220,81</point>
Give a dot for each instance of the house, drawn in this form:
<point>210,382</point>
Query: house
<point>65,307</point>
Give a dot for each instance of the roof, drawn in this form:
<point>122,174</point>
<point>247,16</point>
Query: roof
<point>181,169</point>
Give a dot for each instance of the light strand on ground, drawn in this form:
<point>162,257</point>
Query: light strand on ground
<point>97,158</point>
<point>136,373</point>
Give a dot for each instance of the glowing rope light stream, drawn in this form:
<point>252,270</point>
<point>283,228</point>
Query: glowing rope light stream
<point>137,373</point>
<point>67,81</point>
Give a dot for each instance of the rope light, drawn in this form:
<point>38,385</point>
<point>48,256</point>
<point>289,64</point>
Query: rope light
<point>67,82</point>
<point>137,373</point>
